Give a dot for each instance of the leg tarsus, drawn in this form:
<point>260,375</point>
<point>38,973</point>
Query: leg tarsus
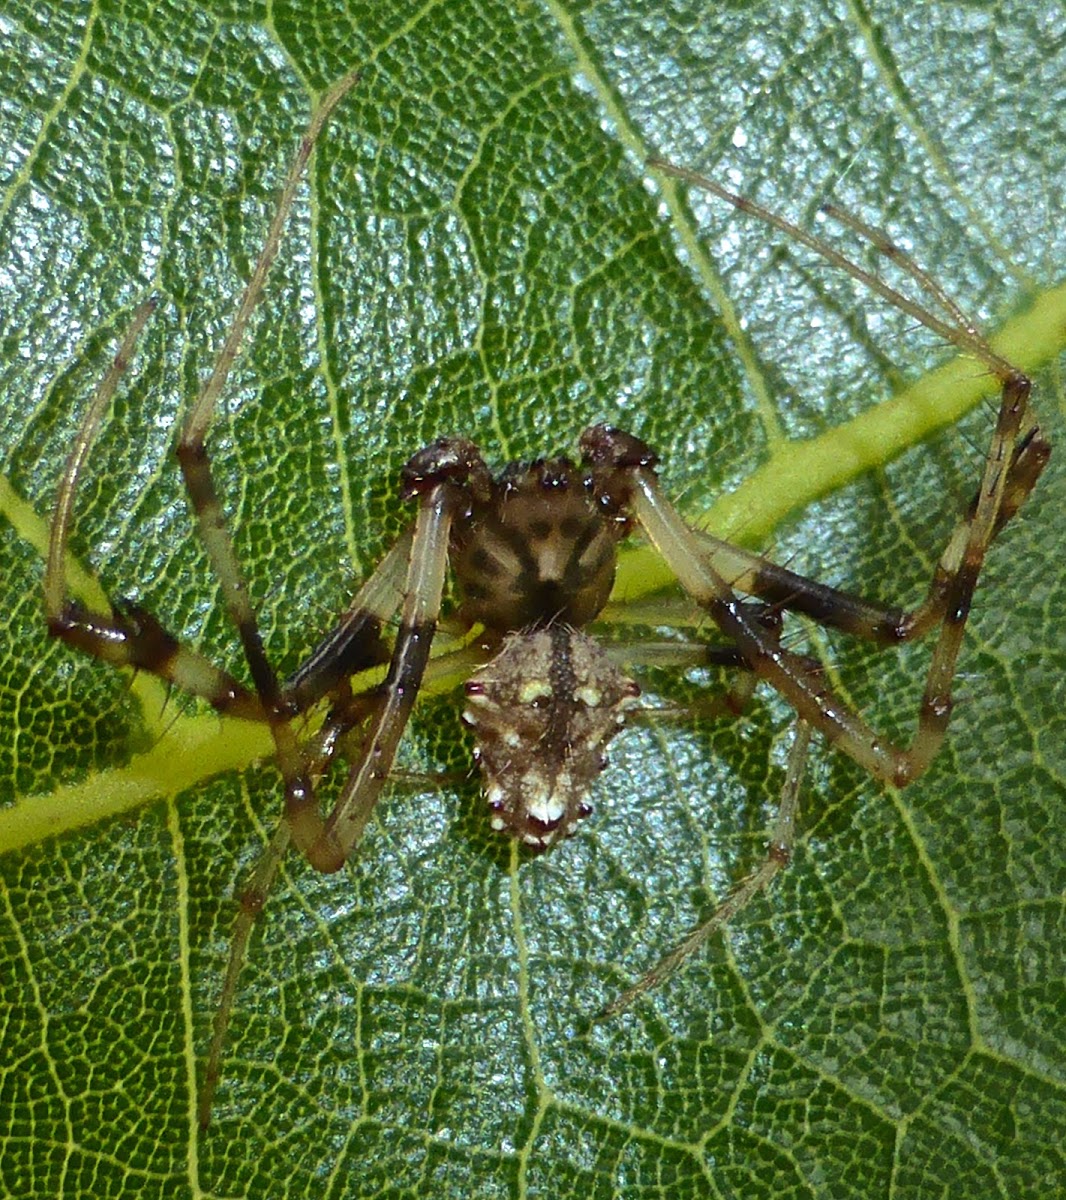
<point>258,888</point>
<point>778,857</point>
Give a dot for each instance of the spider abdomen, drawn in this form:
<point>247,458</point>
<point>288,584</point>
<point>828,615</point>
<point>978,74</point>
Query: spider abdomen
<point>543,711</point>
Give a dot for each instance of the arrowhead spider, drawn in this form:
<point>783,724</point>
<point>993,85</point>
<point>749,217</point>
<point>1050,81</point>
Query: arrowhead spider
<point>533,552</point>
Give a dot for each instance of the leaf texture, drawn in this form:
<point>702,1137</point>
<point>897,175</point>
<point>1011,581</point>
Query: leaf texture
<point>478,250</point>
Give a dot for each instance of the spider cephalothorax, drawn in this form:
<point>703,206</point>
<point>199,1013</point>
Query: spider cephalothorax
<point>533,554</point>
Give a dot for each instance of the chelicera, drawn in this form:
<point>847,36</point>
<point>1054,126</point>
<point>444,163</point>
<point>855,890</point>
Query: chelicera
<point>533,551</point>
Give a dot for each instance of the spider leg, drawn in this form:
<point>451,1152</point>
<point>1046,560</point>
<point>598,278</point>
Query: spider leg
<point>203,496</point>
<point>836,609</point>
<point>733,702</point>
<point>778,857</point>
<point>351,646</point>
<point>783,832</point>
<point>886,246</point>
<point>128,636</point>
<point>355,643</point>
<point>709,569</point>
<point>623,467</point>
<point>1016,455</point>
<point>252,900</point>
<point>756,575</point>
<point>958,330</point>
<point>327,844</point>
<point>55,576</point>
<point>271,702</point>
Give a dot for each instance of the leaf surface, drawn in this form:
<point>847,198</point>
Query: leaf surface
<point>476,251</point>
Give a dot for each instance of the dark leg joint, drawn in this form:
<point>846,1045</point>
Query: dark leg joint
<point>935,713</point>
<point>191,455</point>
<point>150,645</point>
<point>252,902</point>
<point>959,595</point>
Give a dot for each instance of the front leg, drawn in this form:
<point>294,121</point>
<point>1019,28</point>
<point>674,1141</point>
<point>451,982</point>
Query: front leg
<point>128,636</point>
<point>835,609</point>
<point>436,476</point>
<point>623,469</point>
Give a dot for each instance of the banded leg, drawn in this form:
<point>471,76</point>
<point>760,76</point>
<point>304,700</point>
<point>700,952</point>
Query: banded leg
<point>754,575</point>
<point>203,496</point>
<point>327,844</point>
<point>1016,456</point>
<point>435,475</point>
<point>624,466</point>
<point>709,569</point>
<point>128,636</point>
<point>353,645</point>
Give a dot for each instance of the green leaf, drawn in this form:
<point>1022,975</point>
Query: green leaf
<point>475,252</point>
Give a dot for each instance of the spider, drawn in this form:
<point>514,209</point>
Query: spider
<point>532,550</point>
